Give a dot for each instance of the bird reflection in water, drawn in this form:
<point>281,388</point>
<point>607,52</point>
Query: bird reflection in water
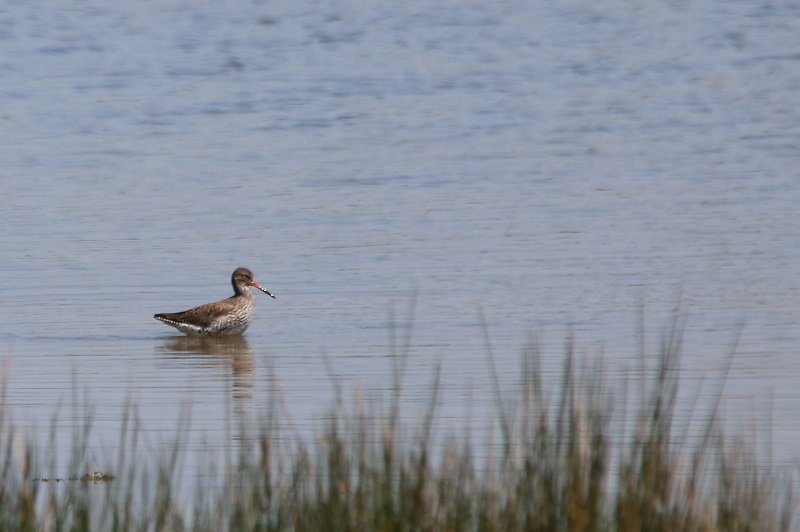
<point>231,352</point>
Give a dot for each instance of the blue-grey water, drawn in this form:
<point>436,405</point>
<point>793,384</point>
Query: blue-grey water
<point>393,172</point>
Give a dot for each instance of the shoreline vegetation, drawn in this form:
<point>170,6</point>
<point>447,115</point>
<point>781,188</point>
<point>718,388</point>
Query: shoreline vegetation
<point>560,465</point>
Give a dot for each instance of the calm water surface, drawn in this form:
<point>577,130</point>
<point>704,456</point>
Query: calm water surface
<point>392,170</point>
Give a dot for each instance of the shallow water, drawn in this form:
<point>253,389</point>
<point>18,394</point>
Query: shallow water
<point>392,173</point>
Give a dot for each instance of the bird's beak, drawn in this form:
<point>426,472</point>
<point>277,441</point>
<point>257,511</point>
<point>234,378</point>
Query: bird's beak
<point>263,290</point>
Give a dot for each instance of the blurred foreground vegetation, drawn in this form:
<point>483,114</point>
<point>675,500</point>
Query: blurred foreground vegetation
<point>559,466</point>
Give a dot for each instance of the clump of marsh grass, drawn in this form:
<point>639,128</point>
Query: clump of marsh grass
<point>564,463</point>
